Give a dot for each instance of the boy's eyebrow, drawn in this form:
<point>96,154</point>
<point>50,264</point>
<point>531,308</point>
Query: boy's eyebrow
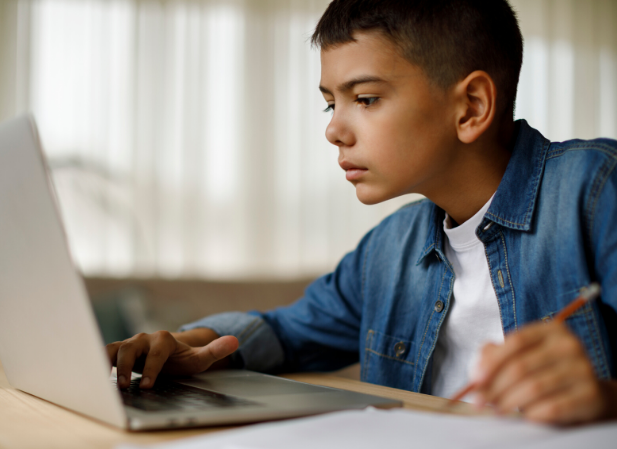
<point>347,85</point>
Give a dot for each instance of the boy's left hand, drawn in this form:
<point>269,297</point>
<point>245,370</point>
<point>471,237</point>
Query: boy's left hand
<point>544,371</point>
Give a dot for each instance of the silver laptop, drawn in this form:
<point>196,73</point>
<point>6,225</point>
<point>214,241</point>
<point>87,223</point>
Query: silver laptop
<point>50,345</point>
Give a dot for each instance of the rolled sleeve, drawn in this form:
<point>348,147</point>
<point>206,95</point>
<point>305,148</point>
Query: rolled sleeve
<point>259,350</point>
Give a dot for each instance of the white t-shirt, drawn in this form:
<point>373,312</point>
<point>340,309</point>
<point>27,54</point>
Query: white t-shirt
<point>473,318</point>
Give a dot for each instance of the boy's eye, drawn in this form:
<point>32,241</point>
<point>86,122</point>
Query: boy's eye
<point>330,108</point>
<point>367,101</point>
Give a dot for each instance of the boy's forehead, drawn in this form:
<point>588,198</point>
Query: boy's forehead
<point>369,55</point>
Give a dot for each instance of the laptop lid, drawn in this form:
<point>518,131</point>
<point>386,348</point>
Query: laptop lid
<point>49,341</point>
<point>50,345</point>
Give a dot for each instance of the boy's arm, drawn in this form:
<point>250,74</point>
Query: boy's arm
<point>320,331</point>
<point>259,348</point>
<point>543,369</point>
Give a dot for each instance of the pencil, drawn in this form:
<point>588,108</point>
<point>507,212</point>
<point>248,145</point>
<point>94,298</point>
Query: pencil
<point>587,294</point>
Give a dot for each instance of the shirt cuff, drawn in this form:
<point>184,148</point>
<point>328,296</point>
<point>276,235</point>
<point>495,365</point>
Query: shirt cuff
<point>259,350</point>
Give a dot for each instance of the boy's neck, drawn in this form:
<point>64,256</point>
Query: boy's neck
<point>476,175</point>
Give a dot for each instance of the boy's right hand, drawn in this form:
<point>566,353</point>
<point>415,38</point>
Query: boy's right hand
<point>179,354</point>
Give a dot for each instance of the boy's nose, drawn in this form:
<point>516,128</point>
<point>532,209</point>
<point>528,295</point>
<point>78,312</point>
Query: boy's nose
<point>338,133</point>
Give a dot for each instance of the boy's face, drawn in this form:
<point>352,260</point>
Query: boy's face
<point>393,128</point>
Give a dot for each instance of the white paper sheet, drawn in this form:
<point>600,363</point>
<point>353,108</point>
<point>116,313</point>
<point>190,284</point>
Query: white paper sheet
<point>392,429</point>
<point>603,436</point>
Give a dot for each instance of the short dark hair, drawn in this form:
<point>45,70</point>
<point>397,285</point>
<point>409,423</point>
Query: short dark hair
<point>448,39</point>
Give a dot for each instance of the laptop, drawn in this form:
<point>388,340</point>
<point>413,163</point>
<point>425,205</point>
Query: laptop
<point>51,347</point>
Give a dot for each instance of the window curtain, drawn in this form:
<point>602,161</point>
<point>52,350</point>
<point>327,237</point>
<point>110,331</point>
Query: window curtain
<point>568,85</point>
<point>186,138</point>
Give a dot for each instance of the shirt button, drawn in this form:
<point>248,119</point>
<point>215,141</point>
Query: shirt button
<point>399,348</point>
<point>438,306</point>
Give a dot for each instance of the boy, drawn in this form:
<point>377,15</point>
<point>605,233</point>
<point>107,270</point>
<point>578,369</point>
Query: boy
<point>422,94</point>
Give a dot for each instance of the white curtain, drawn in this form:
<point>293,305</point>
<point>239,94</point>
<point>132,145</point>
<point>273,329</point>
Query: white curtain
<point>568,86</point>
<point>186,137</point>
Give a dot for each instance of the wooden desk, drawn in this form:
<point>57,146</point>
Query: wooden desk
<point>29,422</point>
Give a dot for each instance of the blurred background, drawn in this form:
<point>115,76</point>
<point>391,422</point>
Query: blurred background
<point>186,140</point>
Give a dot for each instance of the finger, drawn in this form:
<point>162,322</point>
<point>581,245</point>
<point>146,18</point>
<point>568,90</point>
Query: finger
<point>215,351</point>
<point>536,388</point>
<point>128,352</point>
<point>494,357</point>
<point>519,368</point>
<point>582,403</point>
<point>559,349</point>
<point>112,352</point>
<point>163,344</point>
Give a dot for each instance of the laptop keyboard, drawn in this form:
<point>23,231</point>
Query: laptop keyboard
<point>166,396</point>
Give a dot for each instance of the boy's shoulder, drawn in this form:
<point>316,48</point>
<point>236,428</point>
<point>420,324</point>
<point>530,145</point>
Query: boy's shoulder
<point>602,146</point>
<point>543,170</point>
<point>581,165</point>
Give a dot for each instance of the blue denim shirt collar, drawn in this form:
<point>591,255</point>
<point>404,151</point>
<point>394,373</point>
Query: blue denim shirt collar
<point>515,200</point>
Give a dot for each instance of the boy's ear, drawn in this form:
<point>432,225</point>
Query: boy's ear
<point>476,98</point>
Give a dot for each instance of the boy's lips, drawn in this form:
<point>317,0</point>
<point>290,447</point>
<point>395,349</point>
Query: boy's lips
<point>352,171</point>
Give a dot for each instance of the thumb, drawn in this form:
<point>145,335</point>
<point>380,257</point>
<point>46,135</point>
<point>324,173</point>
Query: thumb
<point>217,350</point>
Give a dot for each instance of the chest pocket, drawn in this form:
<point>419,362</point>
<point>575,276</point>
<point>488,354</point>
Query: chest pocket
<point>388,360</point>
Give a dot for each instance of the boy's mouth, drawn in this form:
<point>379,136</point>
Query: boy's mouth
<point>354,174</point>
<point>352,171</point>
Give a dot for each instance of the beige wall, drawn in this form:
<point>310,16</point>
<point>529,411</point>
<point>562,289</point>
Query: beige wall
<point>169,303</point>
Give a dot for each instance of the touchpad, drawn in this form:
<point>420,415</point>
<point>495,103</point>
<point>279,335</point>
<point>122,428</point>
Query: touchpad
<point>253,386</point>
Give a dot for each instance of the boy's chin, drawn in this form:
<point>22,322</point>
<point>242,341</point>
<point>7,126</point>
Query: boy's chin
<point>370,196</point>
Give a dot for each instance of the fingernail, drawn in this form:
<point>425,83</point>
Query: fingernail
<point>145,382</point>
<point>121,380</point>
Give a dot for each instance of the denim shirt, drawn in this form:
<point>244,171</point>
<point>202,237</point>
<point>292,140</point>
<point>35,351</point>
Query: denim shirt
<point>550,230</point>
